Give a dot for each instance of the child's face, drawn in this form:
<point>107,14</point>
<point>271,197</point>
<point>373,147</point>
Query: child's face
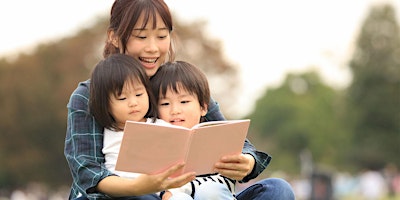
<point>132,104</point>
<point>182,108</point>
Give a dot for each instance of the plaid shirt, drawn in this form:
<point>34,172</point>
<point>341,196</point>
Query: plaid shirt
<point>84,143</point>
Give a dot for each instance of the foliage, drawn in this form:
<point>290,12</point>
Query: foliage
<point>35,89</point>
<point>374,95</point>
<point>301,115</point>
<point>348,130</point>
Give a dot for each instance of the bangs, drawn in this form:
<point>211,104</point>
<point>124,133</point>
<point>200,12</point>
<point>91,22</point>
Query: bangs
<point>150,10</point>
<point>125,81</point>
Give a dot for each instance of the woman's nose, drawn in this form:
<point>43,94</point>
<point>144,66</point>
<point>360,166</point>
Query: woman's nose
<point>151,45</point>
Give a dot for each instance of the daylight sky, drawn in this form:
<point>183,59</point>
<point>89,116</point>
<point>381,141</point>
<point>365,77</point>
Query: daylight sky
<point>266,39</point>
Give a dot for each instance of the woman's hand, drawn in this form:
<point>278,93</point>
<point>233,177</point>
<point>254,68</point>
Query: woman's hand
<point>235,166</point>
<point>144,184</point>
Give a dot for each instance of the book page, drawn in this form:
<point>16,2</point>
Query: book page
<point>211,123</point>
<point>210,143</point>
<point>151,148</point>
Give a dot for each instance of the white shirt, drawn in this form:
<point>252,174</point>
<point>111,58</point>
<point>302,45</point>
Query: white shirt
<point>111,145</point>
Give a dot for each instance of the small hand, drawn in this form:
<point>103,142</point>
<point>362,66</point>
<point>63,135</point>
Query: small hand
<point>235,166</point>
<point>163,181</point>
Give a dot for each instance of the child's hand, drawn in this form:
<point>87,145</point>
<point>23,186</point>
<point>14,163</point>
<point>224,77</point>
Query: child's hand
<point>235,166</point>
<point>117,186</point>
<point>162,181</point>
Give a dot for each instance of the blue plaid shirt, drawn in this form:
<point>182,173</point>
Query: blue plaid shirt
<point>84,143</point>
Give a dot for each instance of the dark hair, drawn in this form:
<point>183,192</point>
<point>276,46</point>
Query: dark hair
<point>125,15</point>
<point>108,78</point>
<point>171,75</point>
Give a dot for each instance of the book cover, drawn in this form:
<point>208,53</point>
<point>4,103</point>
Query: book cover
<point>151,148</point>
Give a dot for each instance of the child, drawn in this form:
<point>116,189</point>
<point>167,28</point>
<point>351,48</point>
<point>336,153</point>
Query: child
<point>120,91</point>
<point>183,95</point>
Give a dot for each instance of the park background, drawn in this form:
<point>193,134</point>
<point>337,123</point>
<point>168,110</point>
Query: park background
<point>318,79</point>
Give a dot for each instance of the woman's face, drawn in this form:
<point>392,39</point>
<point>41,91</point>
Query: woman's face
<point>149,46</point>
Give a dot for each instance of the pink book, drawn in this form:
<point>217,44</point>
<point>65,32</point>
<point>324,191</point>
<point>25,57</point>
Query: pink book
<point>152,148</point>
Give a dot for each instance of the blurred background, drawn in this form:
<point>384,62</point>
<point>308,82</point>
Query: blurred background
<point>320,81</point>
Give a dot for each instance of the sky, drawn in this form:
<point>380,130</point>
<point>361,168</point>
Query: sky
<point>266,39</point>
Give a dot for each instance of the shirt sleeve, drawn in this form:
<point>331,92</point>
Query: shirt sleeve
<point>261,159</point>
<point>83,145</point>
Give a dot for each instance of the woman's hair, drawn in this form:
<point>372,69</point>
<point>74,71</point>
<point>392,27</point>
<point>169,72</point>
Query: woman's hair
<point>173,75</point>
<point>125,15</point>
<point>109,78</point>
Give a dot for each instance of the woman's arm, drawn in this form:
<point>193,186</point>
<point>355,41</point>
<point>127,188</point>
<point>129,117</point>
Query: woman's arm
<point>83,145</point>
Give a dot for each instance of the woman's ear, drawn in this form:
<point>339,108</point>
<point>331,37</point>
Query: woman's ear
<point>113,39</point>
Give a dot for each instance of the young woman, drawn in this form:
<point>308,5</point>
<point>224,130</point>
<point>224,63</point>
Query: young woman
<point>143,29</point>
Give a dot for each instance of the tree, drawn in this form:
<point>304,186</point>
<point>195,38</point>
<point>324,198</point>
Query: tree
<point>302,114</point>
<point>374,94</point>
<point>35,88</point>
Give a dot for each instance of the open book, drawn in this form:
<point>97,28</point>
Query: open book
<point>151,148</point>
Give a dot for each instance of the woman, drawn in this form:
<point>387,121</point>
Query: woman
<point>143,29</point>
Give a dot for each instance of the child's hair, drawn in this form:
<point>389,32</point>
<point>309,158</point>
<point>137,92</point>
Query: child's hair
<point>171,75</point>
<point>108,78</point>
<point>124,16</point>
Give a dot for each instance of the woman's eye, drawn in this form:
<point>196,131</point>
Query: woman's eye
<point>138,36</point>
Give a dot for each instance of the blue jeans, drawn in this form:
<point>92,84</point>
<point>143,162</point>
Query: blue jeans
<point>266,189</point>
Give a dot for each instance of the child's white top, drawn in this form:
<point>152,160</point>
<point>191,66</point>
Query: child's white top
<point>111,145</point>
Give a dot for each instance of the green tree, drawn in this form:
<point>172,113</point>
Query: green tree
<point>302,114</point>
<point>35,89</point>
<point>374,94</point>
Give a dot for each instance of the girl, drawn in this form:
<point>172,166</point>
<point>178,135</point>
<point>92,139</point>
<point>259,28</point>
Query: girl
<point>120,91</point>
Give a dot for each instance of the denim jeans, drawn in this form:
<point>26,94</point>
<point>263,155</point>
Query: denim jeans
<point>268,189</point>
